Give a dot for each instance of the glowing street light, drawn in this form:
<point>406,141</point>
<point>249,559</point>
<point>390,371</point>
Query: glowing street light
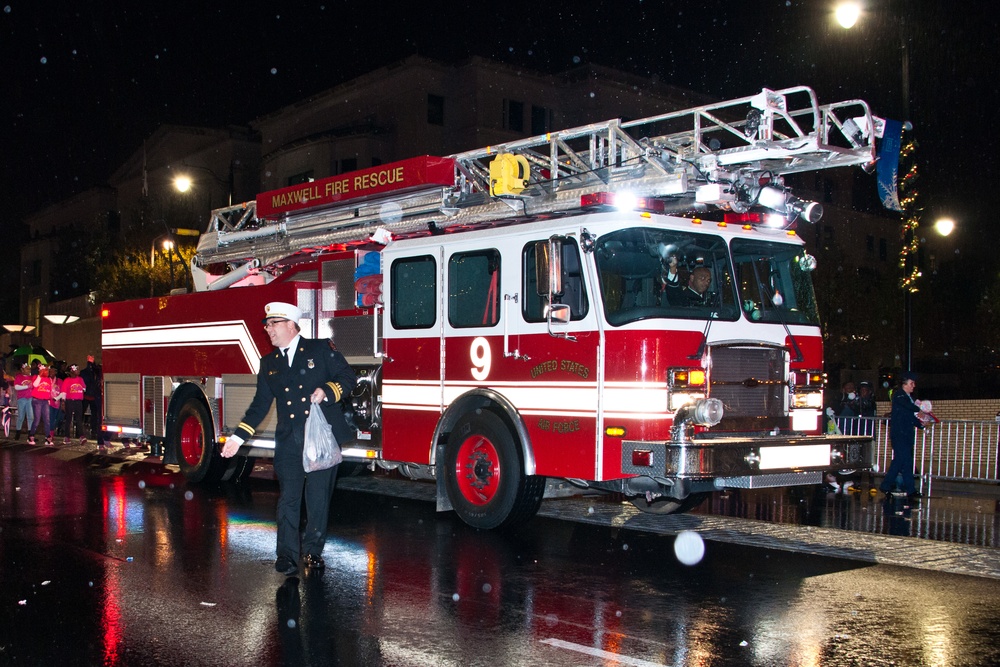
<point>61,319</point>
<point>847,14</point>
<point>182,183</point>
<point>944,226</point>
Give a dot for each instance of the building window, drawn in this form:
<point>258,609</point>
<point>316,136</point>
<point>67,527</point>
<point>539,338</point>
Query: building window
<point>541,120</point>
<point>513,115</point>
<point>303,177</point>
<point>348,164</point>
<point>435,109</point>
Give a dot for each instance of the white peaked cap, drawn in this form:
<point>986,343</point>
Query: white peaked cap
<point>279,309</point>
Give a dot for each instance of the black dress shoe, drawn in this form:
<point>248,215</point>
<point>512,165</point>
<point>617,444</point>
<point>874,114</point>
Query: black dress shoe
<point>285,566</point>
<point>314,563</point>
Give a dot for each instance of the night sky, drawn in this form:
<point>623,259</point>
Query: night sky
<point>86,81</point>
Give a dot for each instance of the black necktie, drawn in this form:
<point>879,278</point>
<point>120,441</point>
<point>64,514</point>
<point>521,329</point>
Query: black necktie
<point>284,354</point>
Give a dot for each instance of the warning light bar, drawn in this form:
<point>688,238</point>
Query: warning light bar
<point>623,201</point>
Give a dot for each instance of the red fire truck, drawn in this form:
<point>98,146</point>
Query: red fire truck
<point>625,306</point>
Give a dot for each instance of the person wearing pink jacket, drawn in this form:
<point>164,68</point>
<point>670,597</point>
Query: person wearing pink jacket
<point>41,394</point>
<point>73,386</point>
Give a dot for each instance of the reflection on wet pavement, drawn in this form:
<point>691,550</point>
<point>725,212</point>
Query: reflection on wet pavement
<point>132,568</point>
<point>966,515</point>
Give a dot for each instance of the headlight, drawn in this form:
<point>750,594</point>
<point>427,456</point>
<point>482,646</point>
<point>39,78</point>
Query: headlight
<point>807,399</point>
<point>678,399</point>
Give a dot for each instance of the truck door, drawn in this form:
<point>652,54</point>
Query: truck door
<point>411,372</point>
<point>555,327</point>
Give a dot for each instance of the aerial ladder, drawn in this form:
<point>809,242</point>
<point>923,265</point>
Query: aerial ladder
<point>730,156</point>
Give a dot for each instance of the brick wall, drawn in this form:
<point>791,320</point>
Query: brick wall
<point>980,409</point>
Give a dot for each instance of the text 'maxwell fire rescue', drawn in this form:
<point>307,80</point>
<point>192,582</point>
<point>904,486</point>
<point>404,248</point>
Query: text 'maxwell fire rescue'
<point>522,312</point>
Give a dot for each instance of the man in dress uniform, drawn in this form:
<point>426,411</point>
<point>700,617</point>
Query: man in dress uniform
<point>300,374</point>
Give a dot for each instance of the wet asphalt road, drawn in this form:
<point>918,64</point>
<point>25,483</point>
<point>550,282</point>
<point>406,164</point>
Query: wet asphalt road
<point>105,562</point>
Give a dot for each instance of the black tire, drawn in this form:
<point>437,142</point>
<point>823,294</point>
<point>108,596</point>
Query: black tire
<point>484,474</point>
<point>668,505</point>
<point>193,440</point>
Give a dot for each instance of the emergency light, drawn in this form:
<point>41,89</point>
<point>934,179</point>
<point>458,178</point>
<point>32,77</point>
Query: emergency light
<point>623,201</point>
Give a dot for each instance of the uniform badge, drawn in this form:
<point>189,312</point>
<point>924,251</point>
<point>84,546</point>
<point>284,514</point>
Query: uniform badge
<point>310,364</point>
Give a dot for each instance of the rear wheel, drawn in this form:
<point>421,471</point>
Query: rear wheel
<point>663,505</point>
<point>193,439</point>
<point>485,474</point>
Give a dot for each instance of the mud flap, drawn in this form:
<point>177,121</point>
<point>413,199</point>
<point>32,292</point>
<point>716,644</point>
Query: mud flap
<point>440,471</point>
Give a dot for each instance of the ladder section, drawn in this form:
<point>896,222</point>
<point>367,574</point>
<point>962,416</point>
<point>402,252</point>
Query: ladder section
<point>716,155</point>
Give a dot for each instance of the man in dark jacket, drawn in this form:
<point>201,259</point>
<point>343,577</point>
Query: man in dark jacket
<point>92,398</point>
<point>902,422</point>
<point>303,374</point>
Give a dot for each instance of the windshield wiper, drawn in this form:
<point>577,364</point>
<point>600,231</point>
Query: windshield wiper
<point>765,291</point>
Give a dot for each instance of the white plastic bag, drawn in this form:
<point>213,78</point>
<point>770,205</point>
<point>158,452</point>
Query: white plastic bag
<point>320,450</point>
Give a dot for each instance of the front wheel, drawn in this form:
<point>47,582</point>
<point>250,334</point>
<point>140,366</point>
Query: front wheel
<point>485,476</point>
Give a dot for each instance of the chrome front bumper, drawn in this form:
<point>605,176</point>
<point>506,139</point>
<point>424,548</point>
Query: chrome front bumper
<point>748,457</point>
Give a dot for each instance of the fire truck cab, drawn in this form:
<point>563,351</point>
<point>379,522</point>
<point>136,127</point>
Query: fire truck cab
<point>516,315</point>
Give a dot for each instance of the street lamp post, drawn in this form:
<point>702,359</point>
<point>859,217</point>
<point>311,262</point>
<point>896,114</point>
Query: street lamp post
<point>167,247</point>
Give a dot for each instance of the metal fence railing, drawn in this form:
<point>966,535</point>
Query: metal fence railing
<point>951,449</point>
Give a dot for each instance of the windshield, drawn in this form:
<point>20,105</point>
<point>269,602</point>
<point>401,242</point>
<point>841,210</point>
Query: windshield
<point>663,273</point>
<point>775,282</point>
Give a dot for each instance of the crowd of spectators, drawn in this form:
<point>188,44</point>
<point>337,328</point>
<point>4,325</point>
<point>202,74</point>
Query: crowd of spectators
<point>51,400</point>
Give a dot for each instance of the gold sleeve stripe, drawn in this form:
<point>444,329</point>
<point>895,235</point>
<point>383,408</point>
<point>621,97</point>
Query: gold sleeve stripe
<point>335,388</point>
<point>246,427</point>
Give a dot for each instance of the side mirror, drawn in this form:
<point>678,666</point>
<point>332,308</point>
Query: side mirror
<point>559,313</point>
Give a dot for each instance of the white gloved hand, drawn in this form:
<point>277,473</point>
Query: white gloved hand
<point>232,445</point>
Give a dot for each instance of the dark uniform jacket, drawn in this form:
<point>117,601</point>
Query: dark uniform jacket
<point>903,419</point>
<point>315,364</point>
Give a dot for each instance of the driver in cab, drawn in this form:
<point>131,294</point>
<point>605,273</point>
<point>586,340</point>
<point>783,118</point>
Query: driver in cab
<point>697,291</point>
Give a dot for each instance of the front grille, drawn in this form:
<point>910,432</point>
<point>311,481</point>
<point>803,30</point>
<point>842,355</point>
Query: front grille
<point>750,381</point>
